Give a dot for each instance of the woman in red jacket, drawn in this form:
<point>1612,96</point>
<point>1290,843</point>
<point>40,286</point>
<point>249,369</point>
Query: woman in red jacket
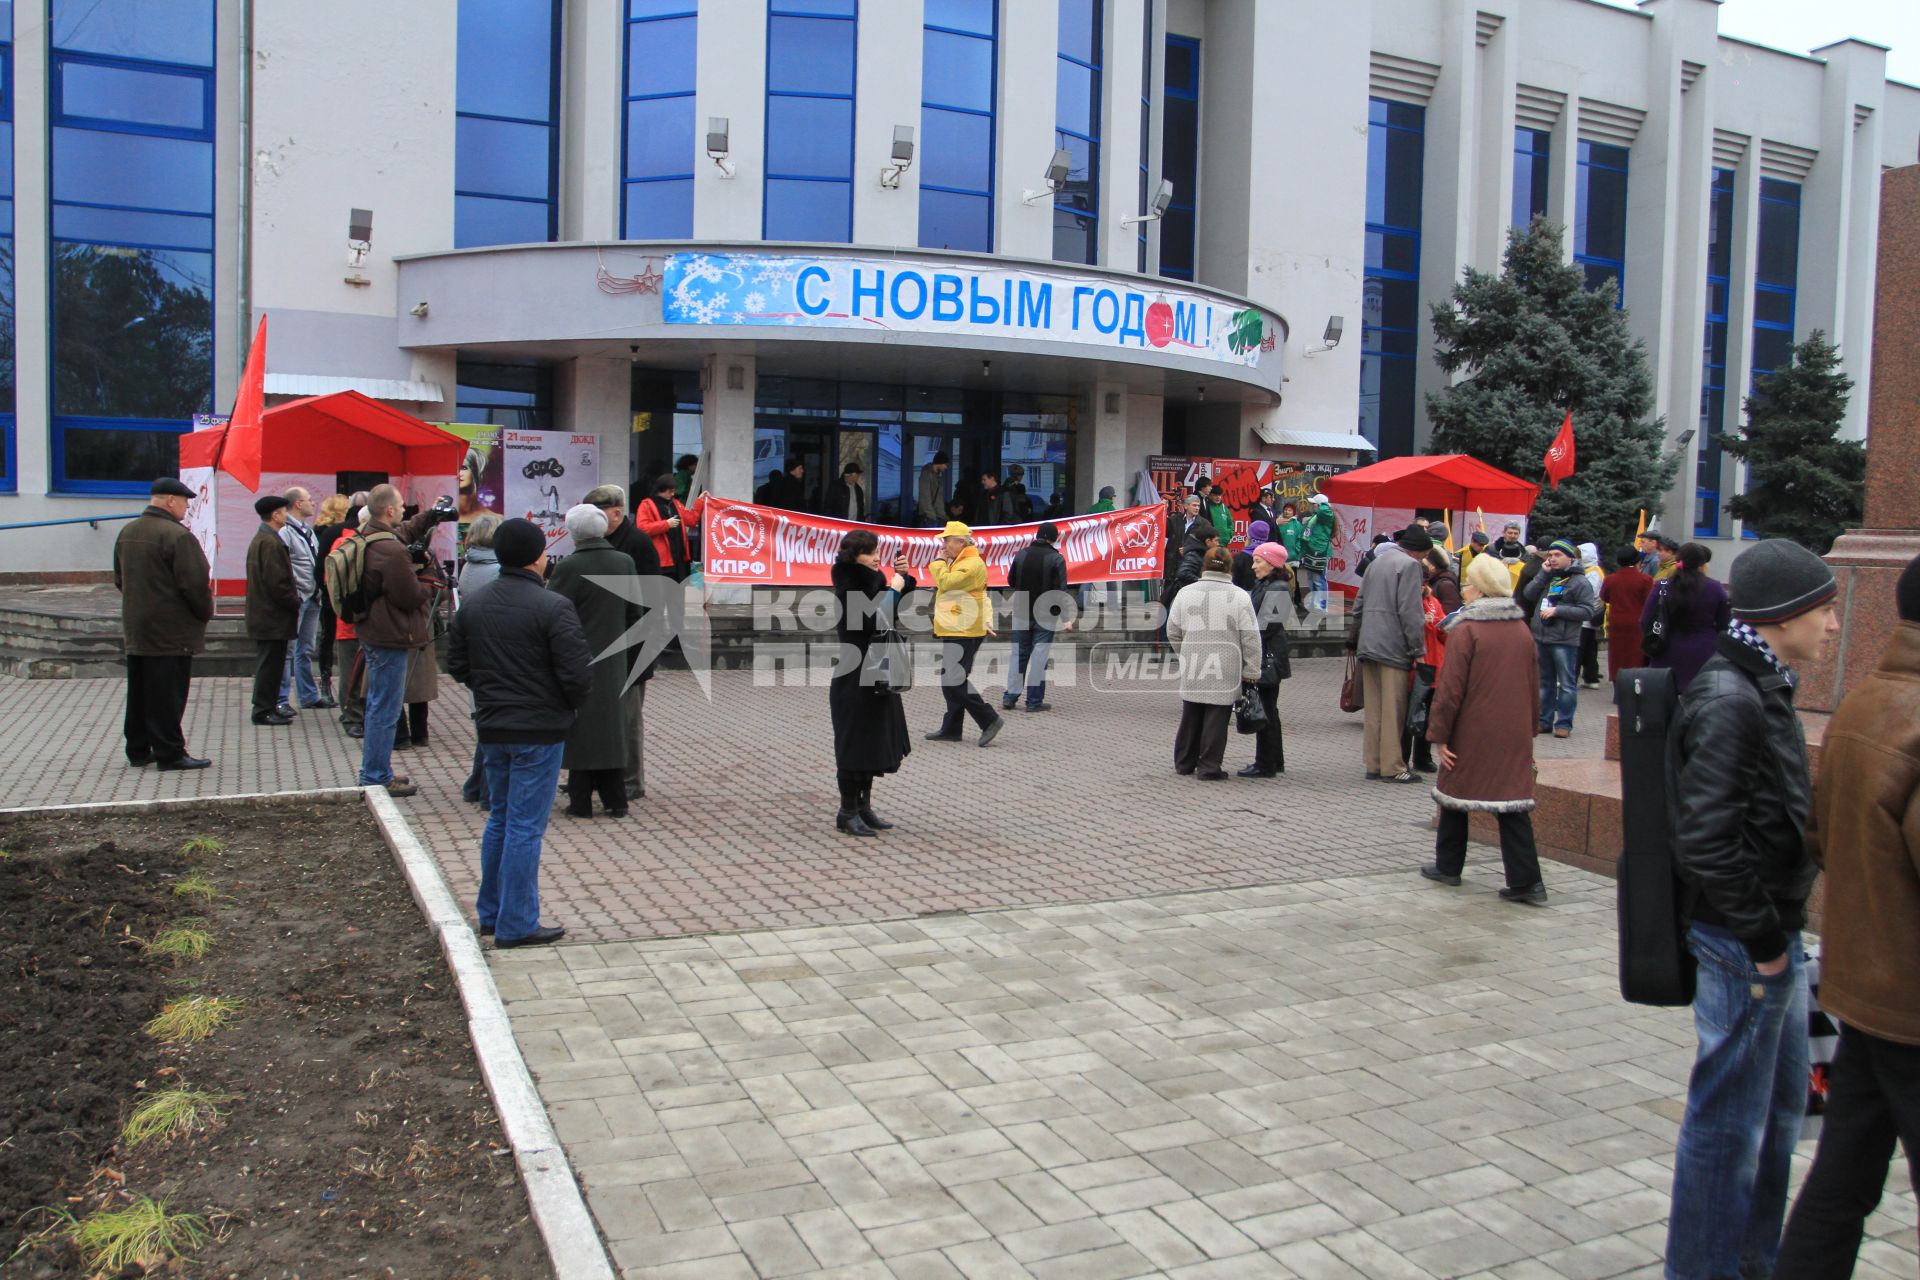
<point>663,518</point>
<point>1414,746</point>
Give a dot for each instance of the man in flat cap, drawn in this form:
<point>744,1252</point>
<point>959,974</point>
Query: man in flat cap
<point>273,609</point>
<point>166,601</point>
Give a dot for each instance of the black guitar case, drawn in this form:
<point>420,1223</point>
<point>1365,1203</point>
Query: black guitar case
<point>1655,966</point>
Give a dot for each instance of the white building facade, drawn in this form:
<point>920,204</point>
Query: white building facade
<point>875,230</point>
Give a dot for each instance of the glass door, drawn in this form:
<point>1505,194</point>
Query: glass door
<point>924,443</point>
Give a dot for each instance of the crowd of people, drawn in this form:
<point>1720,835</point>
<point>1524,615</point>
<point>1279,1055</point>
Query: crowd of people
<point>1460,663</point>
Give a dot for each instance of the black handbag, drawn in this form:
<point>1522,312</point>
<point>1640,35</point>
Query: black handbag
<point>887,665</point>
<point>1249,713</point>
<point>1658,633</point>
<point>1420,701</point>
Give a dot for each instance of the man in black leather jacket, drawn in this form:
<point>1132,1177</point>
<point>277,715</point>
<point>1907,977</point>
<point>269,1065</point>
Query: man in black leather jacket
<point>522,651</point>
<point>1740,805</point>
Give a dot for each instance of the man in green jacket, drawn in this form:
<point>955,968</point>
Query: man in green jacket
<point>166,601</point>
<point>1317,544</point>
<point>1105,504</point>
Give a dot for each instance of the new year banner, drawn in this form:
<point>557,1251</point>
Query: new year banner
<point>769,547</point>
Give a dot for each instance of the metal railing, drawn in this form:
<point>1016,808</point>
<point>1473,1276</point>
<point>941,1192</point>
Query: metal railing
<point>92,521</point>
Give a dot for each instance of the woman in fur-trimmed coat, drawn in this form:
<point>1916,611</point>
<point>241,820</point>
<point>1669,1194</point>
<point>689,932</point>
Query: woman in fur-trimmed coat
<point>1486,703</point>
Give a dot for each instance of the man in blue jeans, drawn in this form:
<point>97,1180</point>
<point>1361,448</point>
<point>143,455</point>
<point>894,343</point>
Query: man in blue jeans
<point>1741,849</point>
<point>522,652</point>
<point>1038,577</point>
<point>396,624</point>
<point>303,547</point>
<point>1561,599</point>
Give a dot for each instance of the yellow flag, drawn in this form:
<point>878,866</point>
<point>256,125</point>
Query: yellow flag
<point>1643,525</point>
<point>1449,542</point>
<point>1482,513</point>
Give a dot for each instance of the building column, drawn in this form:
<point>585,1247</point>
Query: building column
<point>726,424</point>
<point>1447,198</point>
<point>32,315</point>
<point>1499,47</point>
<point>592,101</point>
<point>1023,119</point>
<point>1120,135</point>
<point>593,396</point>
<point>889,48</point>
<point>1106,460</point>
<point>732,55</point>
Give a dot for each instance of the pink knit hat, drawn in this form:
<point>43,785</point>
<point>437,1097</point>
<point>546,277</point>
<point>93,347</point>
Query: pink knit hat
<point>1273,553</point>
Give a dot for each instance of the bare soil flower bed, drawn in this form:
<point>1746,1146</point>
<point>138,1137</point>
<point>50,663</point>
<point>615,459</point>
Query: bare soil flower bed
<point>338,1127</point>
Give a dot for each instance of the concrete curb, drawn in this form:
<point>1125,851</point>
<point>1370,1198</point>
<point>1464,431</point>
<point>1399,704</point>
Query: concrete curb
<point>574,1248</point>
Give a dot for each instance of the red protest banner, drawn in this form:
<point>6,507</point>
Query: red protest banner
<point>751,544</point>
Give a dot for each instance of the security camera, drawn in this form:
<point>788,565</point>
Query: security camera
<point>718,145</point>
<point>419,310</point>
<point>1056,178</point>
<point>902,156</point>
<point>1156,208</point>
<point>1336,325</point>
<point>359,236</point>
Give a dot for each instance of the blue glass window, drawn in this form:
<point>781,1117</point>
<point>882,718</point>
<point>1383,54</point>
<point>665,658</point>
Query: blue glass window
<point>661,132</point>
<point>1180,155</point>
<point>1390,298</point>
<point>131,252</point>
<point>8,477</point>
<point>1713,357</point>
<point>506,395</point>
<point>1600,217</point>
<point>959,50</point>
<point>810,113</point>
<point>506,157</point>
<point>1776,270</point>
<point>1532,150</point>
<point>1076,208</point>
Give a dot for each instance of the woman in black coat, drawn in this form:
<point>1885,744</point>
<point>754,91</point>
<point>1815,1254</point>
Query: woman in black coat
<point>869,724</point>
<point>1272,597</point>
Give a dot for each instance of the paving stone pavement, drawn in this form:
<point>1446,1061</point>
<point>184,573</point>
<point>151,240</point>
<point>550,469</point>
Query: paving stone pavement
<point>736,832</point>
<point>1076,1018</point>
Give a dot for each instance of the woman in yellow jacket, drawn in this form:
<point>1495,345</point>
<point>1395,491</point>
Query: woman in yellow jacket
<point>961,612</point>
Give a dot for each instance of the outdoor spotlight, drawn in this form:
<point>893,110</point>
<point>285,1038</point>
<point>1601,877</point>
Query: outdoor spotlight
<point>419,310</point>
<point>902,156</point>
<point>1684,439</point>
<point>986,368</point>
<point>1156,208</point>
<point>359,236</point>
<point>1336,325</point>
<point>1056,179</point>
<point>1202,390</point>
<point>717,145</point>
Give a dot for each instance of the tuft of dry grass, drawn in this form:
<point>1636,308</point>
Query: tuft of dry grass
<point>145,1232</point>
<point>172,1113</point>
<point>201,845</point>
<point>195,885</point>
<point>188,940</point>
<point>192,1018</point>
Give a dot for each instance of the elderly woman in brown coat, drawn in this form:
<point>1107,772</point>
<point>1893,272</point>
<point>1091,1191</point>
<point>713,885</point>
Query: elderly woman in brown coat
<point>1485,706</point>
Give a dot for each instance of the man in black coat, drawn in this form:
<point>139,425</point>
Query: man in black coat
<point>1042,605</point>
<point>847,496</point>
<point>522,652</point>
<point>166,601</point>
<point>624,536</point>
<point>1741,801</point>
<point>273,609</point>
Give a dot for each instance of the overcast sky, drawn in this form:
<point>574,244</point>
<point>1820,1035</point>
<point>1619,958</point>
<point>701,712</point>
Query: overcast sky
<point>1800,26</point>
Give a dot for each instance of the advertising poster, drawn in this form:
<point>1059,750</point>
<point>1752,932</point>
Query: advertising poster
<point>769,546</point>
<point>535,475</point>
<point>1243,479</point>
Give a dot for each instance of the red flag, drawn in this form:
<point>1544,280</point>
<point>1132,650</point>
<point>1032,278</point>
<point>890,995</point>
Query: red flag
<point>1559,459</point>
<point>240,448</point>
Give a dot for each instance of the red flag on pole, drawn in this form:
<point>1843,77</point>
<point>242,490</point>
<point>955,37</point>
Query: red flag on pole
<point>1559,459</point>
<point>240,448</point>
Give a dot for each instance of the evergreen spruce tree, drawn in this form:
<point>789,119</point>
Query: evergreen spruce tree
<point>1801,482</point>
<point>1535,342</point>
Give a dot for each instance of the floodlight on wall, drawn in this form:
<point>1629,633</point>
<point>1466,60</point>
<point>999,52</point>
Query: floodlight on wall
<point>1156,208</point>
<point>1336,325</point>
<point>1055,181</point>
<point>902,157</point>
<point>719,145</point>
<point>1684,439</point>
<point>359,236</point>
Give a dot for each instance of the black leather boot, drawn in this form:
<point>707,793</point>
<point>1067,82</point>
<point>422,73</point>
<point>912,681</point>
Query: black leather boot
<point>849,819</point>
<point>867,815</point>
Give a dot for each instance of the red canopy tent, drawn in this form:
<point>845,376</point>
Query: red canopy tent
<point>344,431</point>
<point>306,442</point>
<point>1451,481</point>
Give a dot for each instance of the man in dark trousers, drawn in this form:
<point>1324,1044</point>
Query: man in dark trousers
<point>847,496</point>
<point>273,608</point>
<point>166,601</point>
<point>522,651</point>
<point>1742,795</point>
<point>1866,832</point>
<point>624,536</point>
<point>1038,577</point>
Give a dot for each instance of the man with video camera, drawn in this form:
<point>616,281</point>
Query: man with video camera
<point>397,623</point>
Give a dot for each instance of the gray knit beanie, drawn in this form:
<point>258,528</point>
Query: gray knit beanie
<point>1776,581</point>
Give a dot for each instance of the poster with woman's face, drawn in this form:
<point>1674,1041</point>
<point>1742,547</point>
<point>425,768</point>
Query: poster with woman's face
<point>482,477</point>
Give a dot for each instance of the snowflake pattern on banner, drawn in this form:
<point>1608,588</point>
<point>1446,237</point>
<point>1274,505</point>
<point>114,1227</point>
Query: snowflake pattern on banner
<point>711,289</point>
